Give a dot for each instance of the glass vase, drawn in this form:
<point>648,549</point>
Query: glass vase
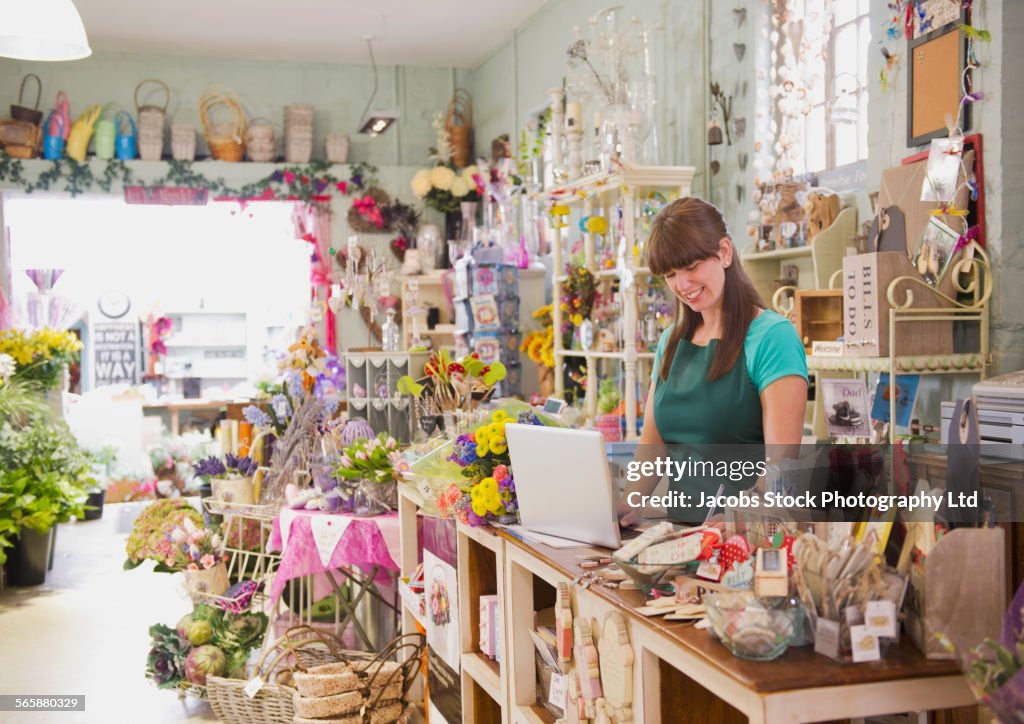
<point>373,498</point>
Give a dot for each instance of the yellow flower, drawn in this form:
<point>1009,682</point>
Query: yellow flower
<point>542,311</point>
<point>496,431</point>
<point>487,486</point>
<point>481,449</point>
<point>499,416</point>
<point>479,508</point>
<point>577,319</point>
<point>482,434</point>
<point>499,447</point>
<point>494,504</point>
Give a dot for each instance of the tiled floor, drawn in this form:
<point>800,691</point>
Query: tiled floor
<point>85,632</point>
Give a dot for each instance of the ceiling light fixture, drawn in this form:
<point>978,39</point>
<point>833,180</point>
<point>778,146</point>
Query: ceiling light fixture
<point>42,30</point>
<point>375,122</point>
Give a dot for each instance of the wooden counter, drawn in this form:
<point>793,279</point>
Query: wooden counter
<point>671,659</point>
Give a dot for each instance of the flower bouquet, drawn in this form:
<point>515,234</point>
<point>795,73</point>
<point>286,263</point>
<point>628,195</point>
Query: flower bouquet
<point>444,187</point>
<point>539,346</point>
<point>455,385</point>
<point>150,537</point>
<point>199,553</point>
<point>40,356</point>
<point>372,464</point>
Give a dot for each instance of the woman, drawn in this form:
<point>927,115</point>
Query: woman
<point>728,373</point>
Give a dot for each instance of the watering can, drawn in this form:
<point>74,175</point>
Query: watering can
<point>60,120</point>
<point>81,132</point>
<point>53,145</point>
<point>125,136</point>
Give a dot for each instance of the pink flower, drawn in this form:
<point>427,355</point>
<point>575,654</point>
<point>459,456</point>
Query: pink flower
<point>289,176</point>
<point>208,561</point>
<point>342,186</point>
<point>500,472</point>
<point>193,567</point>
<point>360,455</point>
<point>169,563</point>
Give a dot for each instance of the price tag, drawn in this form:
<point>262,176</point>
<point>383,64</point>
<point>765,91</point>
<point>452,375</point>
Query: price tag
<point>253,686</point>
<point>558,690</point>
<point>864,644</point>
<point>881,619</point>
<point>826,638</point>
<point>854,617</point>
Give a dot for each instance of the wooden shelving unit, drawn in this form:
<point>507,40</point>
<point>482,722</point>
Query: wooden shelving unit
<point>625,187</point>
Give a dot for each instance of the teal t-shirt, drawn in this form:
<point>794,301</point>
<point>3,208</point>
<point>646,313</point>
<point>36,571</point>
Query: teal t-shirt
<point>691,410</point>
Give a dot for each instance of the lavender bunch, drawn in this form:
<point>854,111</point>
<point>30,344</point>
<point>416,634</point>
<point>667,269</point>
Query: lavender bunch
<point>244,466</point>
<point>211,467</point>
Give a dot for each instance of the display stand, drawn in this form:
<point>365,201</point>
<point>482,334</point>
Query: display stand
<point>626,186</point>
<point>376,374</point>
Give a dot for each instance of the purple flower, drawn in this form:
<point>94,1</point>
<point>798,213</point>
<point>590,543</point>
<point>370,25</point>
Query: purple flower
<point>210,467</point>
<point>245,466</point>
<point>276,177</point>
<point>294,382</point>
<point>282,408</point>
<point>320,185</point>
<point>255,416</point>
<point>474,519</point>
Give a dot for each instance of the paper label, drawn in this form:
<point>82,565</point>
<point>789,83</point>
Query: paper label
<point>880,618</point>
<point>253,686</point>
<point>710,569</point>
<point>854,617</point>
<point>557,696</point>
<point>327,531</point>
<point>826,639</point>
<point>864,643</point>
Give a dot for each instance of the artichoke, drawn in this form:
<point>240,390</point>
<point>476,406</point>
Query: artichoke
<point>165,665</point>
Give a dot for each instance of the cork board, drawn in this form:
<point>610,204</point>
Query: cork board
<point>934,76</point>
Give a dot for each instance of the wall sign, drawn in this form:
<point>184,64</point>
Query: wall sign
<point>116,353</point>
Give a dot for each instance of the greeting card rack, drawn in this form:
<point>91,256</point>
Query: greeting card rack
<point>372,389</point>
<point>620,195</point>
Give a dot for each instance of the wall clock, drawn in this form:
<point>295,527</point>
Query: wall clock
<point>114,304</point>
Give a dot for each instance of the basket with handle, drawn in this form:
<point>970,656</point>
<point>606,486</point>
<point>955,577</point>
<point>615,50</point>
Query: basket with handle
<point>261,140</point>
<point>53,144</point>
<point>150,130</point>
<point>125,140</point>
<point>20,112</point>
<point>183,141</point>
<point>459,124</point>
<point>272,704</point>
<point>226,140</point>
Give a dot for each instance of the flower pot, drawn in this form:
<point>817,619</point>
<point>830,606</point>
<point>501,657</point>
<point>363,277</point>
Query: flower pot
<point>28,559</point>
<point>212,581</point>
<point>236,490</point>
<point>373,498</point>
<point>94,505</point>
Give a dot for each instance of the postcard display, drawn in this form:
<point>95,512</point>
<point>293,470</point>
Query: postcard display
<point>487,316</point>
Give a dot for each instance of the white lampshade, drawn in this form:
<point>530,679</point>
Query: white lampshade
<point>42,30</point>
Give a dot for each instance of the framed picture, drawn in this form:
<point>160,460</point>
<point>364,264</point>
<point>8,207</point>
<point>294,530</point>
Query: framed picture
<point>934,90</point>
<point>935,251</point>
<point>846,408</point>
<point>932,15</point>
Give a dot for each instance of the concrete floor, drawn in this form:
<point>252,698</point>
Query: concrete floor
<point>85,631</point>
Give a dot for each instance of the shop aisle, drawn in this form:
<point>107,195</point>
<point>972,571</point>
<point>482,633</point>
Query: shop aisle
<point>85,631</point>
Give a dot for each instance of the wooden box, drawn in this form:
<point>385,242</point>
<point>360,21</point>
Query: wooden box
<point>818,315</point>
<point>866,280</point>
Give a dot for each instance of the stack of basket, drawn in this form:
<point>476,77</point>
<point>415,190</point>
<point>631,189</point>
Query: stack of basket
<point>260,144</point>
<point>349,692</point>
<point>298,132</point>
<point>151,124</point>
<point>183,141</point>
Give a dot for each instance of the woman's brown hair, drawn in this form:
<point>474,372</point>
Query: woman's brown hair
<point>687,231</point>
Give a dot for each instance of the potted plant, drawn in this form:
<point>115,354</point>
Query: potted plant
<point>40,356</point>
<point>199,553</point>
<point>230,478</point>
<point>372,464</point>
<point>103,461</point>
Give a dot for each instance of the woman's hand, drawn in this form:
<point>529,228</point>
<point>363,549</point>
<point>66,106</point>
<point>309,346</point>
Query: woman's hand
<point>627,515</point>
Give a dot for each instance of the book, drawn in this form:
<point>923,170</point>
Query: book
<point>905,392</point>
<point>846,408</point>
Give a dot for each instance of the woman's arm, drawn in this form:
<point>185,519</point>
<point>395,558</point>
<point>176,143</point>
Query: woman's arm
<point>650,447</point>
<point>783,406</point>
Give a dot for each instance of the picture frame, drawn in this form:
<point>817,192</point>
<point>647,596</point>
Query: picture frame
<point>935,251</point>
<point>936,62</point>
<point>937,15</point>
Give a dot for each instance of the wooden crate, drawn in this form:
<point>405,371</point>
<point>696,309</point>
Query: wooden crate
<point>818,315</point>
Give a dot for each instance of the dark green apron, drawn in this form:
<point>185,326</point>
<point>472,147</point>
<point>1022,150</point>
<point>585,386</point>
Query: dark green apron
<point>718,420</point>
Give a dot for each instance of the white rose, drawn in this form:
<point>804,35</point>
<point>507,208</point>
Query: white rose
<point>421,183</point>
<point>470,171</point>
<point>460,187</point>
<point>441,177</point>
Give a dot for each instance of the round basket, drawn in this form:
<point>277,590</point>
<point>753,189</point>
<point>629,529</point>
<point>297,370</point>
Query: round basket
<point>337,147</point>
<point>183,142</point>
<point>151,123</point>
<point>226,140</point>
<point>272,704</point>
<point>459,124</point>
<point>261,141</point>
<point>20,112</point>
<point>359,223</point>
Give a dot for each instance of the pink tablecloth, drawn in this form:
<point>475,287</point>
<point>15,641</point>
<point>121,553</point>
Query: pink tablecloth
<point>366,542</point>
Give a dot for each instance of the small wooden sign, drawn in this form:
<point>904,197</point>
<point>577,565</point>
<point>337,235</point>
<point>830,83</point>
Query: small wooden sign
<point>166,196</point>
<point>616,660</point>
<point>822,348</point>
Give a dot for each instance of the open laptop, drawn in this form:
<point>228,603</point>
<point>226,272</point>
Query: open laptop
<point>563,483</point>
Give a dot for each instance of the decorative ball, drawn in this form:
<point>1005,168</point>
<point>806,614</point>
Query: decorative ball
<point>356,429</point>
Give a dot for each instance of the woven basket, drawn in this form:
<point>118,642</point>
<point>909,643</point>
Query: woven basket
<point>261,141</point>
<point>226,140</point>
<point>21,112</point>
<point>337,147</point>
<point>459,123</point>
<point>183,142</point>
<point>151,123</point>
<point>271,705</point>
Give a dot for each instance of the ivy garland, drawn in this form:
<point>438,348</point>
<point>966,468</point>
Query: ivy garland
<point>302,183</point>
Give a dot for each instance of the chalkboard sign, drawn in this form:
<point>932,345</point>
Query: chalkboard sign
<point>116,353</point>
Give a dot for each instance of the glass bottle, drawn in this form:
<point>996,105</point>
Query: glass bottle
<point>391,340</point>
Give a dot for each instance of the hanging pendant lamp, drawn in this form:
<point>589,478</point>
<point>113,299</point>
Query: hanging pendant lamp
<point>42,30</point>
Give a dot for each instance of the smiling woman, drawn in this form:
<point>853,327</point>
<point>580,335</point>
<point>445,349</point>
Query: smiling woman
<point>728,372</point>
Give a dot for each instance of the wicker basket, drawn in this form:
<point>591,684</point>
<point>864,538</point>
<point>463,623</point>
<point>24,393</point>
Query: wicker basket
<point>459,123</point>
<point>261,142</point>
<point>226,140</point>
<point>337,147</point>
<point>21,112</point>
<point>271,705</point>
<point>183,142</point>
<point>151,123</point>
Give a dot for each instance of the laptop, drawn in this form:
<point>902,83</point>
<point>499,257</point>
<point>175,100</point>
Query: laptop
<point>563,483</point>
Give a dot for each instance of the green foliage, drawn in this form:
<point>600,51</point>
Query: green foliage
<point>20,400</point>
